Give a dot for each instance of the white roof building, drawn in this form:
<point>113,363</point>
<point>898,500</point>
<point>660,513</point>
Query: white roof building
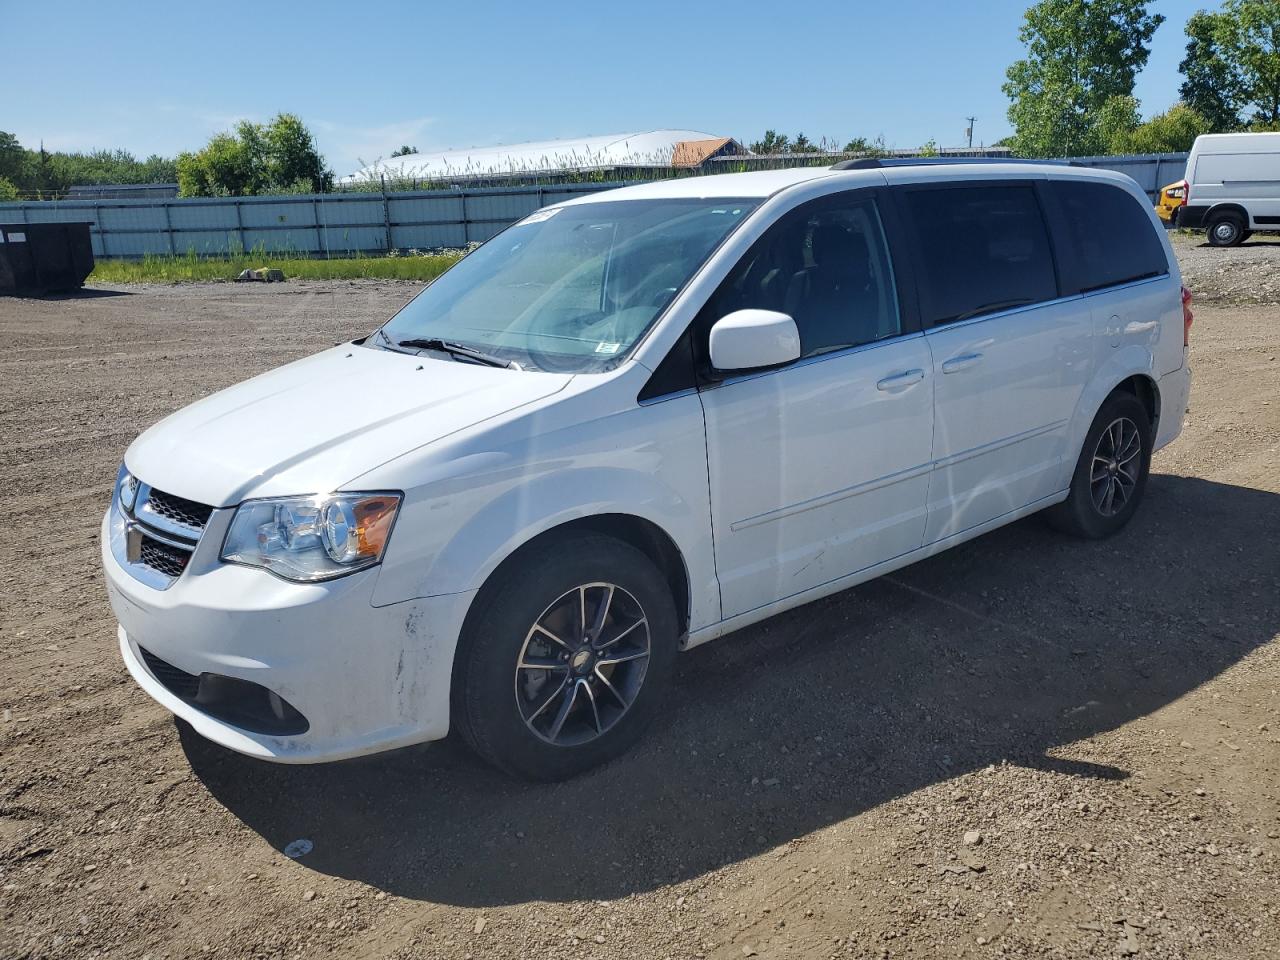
<point>654,148</point>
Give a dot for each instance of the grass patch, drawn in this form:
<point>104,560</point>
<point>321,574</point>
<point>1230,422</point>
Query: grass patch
<point>167,269</point>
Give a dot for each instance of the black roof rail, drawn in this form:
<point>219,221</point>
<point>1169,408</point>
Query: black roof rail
<point>875,163</point>
<point>862,163</point>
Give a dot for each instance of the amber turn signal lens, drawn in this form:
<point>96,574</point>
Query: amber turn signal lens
<point>374,516</point>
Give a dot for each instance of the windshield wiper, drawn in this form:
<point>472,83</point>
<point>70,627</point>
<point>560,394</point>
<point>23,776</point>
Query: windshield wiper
<point>989,308</point>
<point>457,350</point>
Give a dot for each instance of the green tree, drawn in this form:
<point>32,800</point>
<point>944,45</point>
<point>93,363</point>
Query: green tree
<point>13,159</point>
<point>1115,123</point>
<point>1249,36</point>
<point>802,144</point>
<point>1173,131</point>
<point>63,170</point>
<point>772,142</point>
<point>8,189</point>
<point>1232,67</point>
<point>1080,54</point>
<point>404,151</point>
<point>929,148</point>
<point>257,158</point>
<point>44,173</point>
<point>291,156</point>
<point>872,148</point>
<point>226,167</point>
<point>1211,85</point>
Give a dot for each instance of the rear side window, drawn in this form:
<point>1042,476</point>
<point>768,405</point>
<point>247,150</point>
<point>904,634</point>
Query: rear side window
<point>982,249</point>
<point>1109,233</point>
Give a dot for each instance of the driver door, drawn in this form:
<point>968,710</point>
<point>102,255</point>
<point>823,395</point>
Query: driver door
<point>819,469</point>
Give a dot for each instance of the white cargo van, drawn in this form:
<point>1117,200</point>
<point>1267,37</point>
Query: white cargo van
<point>1232,186</point>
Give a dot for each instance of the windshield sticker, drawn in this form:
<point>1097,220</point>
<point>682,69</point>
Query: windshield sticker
<point>608,347</point>
<point>538,216</point>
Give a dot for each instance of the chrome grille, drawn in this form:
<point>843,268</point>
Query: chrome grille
<point>163,558</point>
<point>155,541</point>
<point>171,514</point>
<point>178,509</point>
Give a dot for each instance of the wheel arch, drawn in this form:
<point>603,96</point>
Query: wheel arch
<point>1129,370</point>
<point>1226,207</point>
<point>1147,390</point>
<point>636,531</point>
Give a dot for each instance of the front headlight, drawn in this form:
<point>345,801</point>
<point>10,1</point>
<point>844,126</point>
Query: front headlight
<point>312,538</point>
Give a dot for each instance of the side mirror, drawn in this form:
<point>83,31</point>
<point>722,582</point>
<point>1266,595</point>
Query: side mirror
<point>753,340</point>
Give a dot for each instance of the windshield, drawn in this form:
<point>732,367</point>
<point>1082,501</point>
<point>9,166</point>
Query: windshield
<point>569,289</point>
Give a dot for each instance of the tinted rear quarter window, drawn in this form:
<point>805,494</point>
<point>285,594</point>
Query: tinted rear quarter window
<point>1110,236</point>
<point>982,249</point>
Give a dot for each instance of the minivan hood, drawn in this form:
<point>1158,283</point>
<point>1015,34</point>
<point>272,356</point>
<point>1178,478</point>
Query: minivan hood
<point>313,425</point>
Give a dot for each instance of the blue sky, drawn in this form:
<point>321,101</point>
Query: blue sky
<point>162,77</point>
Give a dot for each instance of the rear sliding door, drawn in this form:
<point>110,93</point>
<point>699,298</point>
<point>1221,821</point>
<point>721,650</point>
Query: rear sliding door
<point>1010,355</point>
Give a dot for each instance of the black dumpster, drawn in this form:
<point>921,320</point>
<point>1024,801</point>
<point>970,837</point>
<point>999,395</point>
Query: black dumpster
<point>44,257</point>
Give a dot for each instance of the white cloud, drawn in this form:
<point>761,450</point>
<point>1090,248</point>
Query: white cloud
<point>347,147</point>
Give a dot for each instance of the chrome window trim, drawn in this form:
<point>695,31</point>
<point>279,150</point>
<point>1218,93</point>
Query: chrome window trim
<point>1026,308</point>
<point>816,358</point>
<point>1127,284</point>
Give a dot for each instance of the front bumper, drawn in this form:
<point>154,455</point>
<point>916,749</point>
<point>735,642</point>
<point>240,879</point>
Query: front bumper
<point>365,678</point>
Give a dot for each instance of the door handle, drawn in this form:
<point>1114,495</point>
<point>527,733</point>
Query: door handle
<point>962,362</point>
<point>900,381</point>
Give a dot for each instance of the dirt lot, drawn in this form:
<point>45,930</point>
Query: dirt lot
<point>1028,746</point>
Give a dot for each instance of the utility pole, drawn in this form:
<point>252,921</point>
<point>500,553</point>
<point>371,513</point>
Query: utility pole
<point>969,130</point>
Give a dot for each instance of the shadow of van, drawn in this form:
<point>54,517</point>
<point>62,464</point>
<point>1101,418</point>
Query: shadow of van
<point>1001,649</point>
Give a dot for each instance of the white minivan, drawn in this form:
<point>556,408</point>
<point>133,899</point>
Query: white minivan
<point>630,424</point>
<point>1232,186</point>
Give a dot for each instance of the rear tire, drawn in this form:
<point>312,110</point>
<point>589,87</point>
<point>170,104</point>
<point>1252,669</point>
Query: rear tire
<point>1111,473</point>
<point>565,657</point>
<point>1226,230</point>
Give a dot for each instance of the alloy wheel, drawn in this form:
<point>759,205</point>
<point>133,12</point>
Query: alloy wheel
<point>1113,475</point>
<point>582,664</point>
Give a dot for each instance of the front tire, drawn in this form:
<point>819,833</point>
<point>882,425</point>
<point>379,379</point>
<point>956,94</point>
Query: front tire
<point>565,657</point>
<point>1111,474</point>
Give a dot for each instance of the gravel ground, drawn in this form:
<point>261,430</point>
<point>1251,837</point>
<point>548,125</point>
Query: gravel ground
<point>1027,746</point>
<point>1249,273</point>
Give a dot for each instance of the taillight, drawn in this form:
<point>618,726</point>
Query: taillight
<point>1187,316</point>
<point>1186,196</point>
